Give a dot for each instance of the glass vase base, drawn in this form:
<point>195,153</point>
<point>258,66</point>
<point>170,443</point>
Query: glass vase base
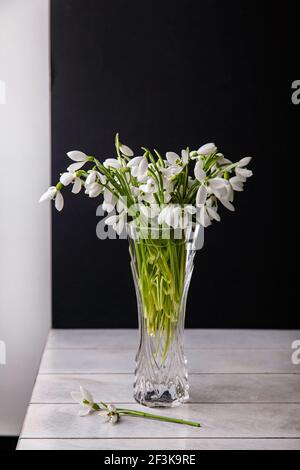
<point>162,397</point>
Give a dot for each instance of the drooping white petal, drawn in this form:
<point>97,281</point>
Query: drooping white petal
<point>244,161</point>
<point>121,206</point>
<point>75,167</point>
<point>236,183</point>
<point>227,204</point>
<point>86,395</point>
<point>126,151</point>
<point>108,207</point>
<point>109,196</point>
<point>59,201</point>
<point>204,217</point>
<point>77,397</point>
<point>134,162</point>
<point>213,214</point>
<point>66,178</point>
<point>172,157</point>
<point>76,186</point>
<point>207,149</point>
<point>199,172</point>
<point>94,190</point>
<point>77,156</point>
<point>112,163</point>
<point>49,194</point>
<point>218,183</point>
<point>201,196</point>
<point>112,220</point>
<point>119,226</point>
<point>244,172</point>
<point>91,178</point>
<point>142,169</point>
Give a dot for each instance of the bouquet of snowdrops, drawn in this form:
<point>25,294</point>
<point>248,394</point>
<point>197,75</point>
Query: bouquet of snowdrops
<point>166,194</point>
<point>171,191</point>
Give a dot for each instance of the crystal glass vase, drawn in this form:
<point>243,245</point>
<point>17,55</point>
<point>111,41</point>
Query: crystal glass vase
<point>162,266</point>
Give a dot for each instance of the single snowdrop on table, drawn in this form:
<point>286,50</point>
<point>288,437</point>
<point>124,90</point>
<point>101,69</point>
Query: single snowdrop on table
<point>113,414</point>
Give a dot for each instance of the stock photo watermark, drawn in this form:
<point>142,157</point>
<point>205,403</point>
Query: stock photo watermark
<point>296,93</point>
<point>296,354</point>
<point>146,224</point>
<point>2,353</point>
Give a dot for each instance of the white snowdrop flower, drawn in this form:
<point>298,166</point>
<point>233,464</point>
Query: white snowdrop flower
<point>68,178</point>
<point>110,201</point>
<point>237,183</point>
<point>240,169</point>
<point>93,184</point>
<point>53,194</point>
<point>139,167</point>
<point>125,150</point>
<point>217,186</point>
<point>84,398</point>
<point>207,149</point>
<point>94,175</point>
<point>117,222</point>
<point>112,163</point>
<point>227,204</point>
<point>94,190</point>
<point>79,157</point>
<point>207,214</point>
<point>175,160</point>
<point>112,414</point>
<point>175,163</point>
<point>150,187</point>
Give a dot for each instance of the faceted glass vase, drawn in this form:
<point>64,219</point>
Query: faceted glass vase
<point>162,267</point>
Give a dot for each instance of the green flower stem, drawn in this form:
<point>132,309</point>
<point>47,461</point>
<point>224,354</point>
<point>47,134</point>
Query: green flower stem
<point>142,414</point>
<point>166,419</point>
<point>161,265</point>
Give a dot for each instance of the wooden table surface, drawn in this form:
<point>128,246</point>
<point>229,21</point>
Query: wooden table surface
<point>244,390</point>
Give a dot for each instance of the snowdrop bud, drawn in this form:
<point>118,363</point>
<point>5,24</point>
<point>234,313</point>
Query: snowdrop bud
<point>126,151</point>
<point>207,149</point>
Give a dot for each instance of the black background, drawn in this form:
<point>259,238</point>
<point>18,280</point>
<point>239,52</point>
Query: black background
<point>167,75</point>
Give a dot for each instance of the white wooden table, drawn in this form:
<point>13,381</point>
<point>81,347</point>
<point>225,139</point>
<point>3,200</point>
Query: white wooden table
<point>245,391</point>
